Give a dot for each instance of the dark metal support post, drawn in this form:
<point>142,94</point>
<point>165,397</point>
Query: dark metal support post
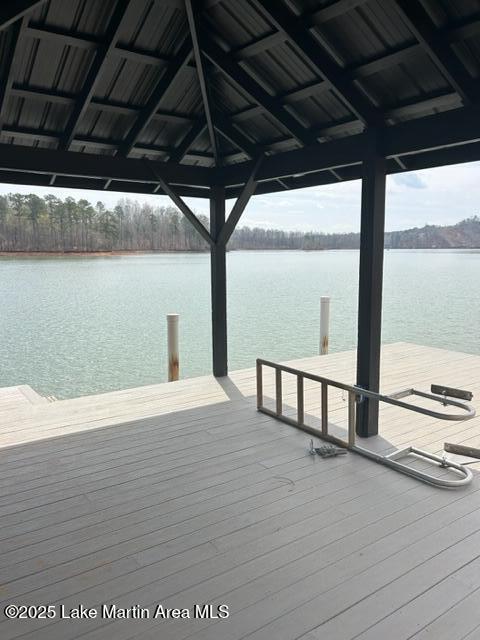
<point>370,283</point>
<point>218,282</point>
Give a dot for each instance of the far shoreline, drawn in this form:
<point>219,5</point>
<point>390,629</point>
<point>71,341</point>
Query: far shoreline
<point>120,253</point>
<point>83,254</point>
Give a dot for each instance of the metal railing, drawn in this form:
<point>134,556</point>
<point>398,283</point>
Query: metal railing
<point>355,396</point>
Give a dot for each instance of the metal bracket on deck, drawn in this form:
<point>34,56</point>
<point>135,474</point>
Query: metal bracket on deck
<point>438,394</point>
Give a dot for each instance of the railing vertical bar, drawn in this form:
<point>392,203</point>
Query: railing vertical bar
<point>278,390</point>
<point>324,408</point>
<point>351,418</point>
<point>259,385</point>
<point>300,400</point>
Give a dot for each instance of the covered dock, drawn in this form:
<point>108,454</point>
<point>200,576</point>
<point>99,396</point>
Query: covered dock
<point>225,99</point>
<point>183,493</point>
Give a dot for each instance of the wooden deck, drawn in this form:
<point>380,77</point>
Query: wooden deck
<point>13,397</point>
<point>183,494</point>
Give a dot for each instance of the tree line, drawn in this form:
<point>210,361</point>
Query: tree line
<point>31,223</point>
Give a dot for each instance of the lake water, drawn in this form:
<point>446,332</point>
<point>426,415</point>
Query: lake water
<point>74,326</point>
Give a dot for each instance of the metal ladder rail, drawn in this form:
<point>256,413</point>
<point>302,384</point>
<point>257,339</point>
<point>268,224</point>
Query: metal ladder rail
<point>356,394</point>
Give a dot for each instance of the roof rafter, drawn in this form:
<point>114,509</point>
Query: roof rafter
<point>153,104</point>
<point>223,61</point>
<point>95,71</point>
<point>14,10</point>
<point>233,135</point>
<point>289,24</point>
<point>420,24</point>
<point>193,16</point>
<point>180,152</point>
<point>6,81</point>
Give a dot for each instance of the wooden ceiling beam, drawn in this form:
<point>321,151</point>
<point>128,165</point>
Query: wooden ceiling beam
<point>6,81</point>
<point>181,150</point>
<point>153,104</point>
<point>95,72</point>
<point>193,17</point>
<point>87,165</point>
<point>233,135</point>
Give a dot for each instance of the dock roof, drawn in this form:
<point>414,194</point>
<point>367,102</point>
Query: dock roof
<point>110,95</point>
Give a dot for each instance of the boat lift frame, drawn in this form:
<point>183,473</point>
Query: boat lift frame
<point>357,395</point>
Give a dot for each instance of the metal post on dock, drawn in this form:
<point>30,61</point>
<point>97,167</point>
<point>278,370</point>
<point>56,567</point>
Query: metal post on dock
<point>324,324</point>
<point>172,339</point>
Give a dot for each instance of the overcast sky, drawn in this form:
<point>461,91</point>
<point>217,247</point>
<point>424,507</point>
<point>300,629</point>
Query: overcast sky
<point>435,196</point>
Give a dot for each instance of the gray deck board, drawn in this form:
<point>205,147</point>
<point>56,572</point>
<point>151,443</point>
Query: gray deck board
<point>182,493</point>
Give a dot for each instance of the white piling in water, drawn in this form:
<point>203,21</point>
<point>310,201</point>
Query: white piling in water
<point>324,324</point>
<point>172,339</point>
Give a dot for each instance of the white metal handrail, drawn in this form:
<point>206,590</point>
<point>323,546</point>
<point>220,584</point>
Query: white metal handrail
<point>355,395</point>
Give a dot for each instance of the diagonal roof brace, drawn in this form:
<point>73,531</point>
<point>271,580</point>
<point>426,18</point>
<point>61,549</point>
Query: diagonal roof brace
<point>181,204</point>
<point>239,206</point>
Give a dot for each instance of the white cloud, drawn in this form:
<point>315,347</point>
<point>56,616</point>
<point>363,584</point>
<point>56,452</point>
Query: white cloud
<point>411,180</point>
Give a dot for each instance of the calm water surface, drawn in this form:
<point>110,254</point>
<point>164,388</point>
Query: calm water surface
<point>73,326</point>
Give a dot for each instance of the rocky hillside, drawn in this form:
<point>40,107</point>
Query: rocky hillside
<point>464,234</point>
